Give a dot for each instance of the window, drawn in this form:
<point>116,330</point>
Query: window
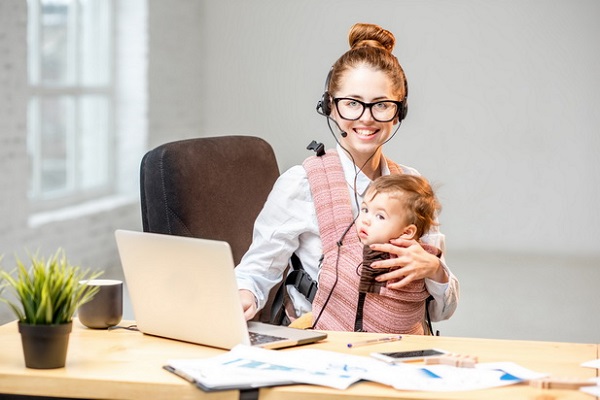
<point>70,140</point>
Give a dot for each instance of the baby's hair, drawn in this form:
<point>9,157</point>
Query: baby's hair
<point>370,45</point>
<point>416,194</point>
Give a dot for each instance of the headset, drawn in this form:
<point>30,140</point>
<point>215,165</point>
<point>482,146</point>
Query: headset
<point>324,108</point>
<point>324,105</point>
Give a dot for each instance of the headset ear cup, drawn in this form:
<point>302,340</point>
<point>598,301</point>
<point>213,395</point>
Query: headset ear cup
<point>326,103</point>
<point>403,110</point>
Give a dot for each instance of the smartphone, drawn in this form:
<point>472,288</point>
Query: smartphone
<point>411,355</point>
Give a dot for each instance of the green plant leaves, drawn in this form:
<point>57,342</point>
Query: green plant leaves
<point>49,291</point>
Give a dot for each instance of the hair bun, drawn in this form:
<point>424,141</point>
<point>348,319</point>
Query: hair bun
<point>362,34</point>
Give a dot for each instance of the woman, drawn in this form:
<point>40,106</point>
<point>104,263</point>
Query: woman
<point>312,207</point>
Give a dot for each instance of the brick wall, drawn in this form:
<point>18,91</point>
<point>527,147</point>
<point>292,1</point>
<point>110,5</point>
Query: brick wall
<point>85,232</point>
<point>13,81</point>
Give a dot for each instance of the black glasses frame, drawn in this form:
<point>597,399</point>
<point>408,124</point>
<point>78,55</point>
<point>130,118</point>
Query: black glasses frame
<point>369,106</point>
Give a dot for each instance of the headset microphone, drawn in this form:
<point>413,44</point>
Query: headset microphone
<point>344,134</point>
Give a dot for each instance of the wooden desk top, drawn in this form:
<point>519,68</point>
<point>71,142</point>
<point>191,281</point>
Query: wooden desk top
<point>558,359</point>
<point>123,364</point>
<point>103,364</point>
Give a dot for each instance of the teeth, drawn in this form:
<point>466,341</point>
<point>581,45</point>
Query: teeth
<point>364,132</point>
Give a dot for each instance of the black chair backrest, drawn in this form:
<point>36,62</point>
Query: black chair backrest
<point>211,187</point>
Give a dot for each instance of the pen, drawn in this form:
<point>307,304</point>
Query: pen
<point>374,341</point>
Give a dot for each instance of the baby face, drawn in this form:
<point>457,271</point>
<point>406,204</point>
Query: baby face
<point>381,219</point>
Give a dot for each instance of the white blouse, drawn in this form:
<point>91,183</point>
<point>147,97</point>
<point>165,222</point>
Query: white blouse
<point>288,224</point>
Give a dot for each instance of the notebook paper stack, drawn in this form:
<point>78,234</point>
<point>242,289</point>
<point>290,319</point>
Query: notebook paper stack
<point>246,367</point>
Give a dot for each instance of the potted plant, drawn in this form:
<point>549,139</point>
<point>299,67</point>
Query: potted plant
<point>45,297</point>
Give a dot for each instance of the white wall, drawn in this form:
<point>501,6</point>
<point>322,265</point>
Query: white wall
<point>503,104</point>
<point>85,232</point>
<point>503,118</point>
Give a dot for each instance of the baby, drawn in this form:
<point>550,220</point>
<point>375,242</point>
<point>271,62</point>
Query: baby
<point>394,206</point>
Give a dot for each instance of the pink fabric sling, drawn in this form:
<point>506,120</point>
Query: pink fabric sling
<point>335,304</point>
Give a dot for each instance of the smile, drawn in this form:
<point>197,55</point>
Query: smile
<point>365,132</point>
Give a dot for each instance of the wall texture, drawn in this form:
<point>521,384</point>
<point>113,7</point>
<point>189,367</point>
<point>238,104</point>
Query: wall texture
<point>84,232</point>
<point>502,106</point>
<point>503,119</point>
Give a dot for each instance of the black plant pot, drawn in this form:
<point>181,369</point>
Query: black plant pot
<point>45,346</point>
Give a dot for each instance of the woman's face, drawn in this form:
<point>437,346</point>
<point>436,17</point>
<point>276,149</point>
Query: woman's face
<point>364,135</point>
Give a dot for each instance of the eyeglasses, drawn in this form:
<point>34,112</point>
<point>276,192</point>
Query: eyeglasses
<point>352,109</point>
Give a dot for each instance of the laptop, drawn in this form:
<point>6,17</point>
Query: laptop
<point>184,288</point>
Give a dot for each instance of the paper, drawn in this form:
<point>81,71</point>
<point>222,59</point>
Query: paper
<point>512,369</point>
<point>246,366</point>
<point>593,390</point>
<point>591,364</point>
<point>447,378</point>
<point>216,373</point>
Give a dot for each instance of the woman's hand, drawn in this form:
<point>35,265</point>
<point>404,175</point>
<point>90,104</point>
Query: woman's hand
<point>248,303</point>
<point>412,262</point>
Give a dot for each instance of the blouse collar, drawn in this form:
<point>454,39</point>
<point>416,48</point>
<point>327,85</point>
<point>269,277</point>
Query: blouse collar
<point>351,170</point>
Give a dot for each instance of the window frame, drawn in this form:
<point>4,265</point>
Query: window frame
<point>76,91</point>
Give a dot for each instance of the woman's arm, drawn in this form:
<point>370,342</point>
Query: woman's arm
<point>277,230</point>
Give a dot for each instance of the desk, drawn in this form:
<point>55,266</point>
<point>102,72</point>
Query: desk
<point>557,359</point>
<point>123,364</point>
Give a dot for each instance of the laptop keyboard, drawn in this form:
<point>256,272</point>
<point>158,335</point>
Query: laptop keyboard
<point>256,339</point>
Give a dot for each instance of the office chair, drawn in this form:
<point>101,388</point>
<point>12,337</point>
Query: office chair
<point>212,187</point>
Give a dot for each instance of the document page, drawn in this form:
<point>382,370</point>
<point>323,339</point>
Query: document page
<point>247,367</point>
